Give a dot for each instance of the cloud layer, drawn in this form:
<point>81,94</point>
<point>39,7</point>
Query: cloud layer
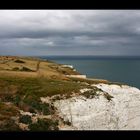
<point>70,32</point>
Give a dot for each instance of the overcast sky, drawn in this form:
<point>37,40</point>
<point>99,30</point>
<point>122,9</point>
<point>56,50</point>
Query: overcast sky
<point>70,32</point>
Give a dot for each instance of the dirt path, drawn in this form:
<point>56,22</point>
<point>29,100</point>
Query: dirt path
<point>40,74</point>
<point>38,65</point>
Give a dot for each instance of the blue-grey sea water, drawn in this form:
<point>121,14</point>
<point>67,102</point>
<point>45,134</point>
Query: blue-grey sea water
<point>117,69</point>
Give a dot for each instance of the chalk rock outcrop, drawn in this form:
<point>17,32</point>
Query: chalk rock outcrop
<point>122,112</point>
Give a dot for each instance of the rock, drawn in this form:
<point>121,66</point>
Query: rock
<point>25,113</point>
<point>121,113</point>
<point>23,126</point>
<point>84,90</point>
<point>45,99</point>
<point>67,66</point>
<point>77,76</point>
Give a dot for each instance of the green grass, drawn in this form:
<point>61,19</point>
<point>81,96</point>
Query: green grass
<point>27,97</point>
<point>25,119</point>
<point>29,90</point>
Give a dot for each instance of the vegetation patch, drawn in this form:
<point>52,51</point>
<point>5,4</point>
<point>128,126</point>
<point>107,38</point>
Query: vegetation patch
<point>16,69</point>
<point>44,124</point>
<point>36,106</point>
<point>9,125</point>
<point>47,109</point>
<point>89,94</point>
<point>26,69</point>
<point>22,69</point>
<point>16,100</point>
<point>8,110</point>
<point>25,119</point>
<point>108,96</point>
<point>19,61</point>
<point>67,122</point>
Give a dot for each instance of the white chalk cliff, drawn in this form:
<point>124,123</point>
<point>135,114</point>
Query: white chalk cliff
<point>122,112</point>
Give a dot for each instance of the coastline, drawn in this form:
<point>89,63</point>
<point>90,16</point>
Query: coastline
<point>49,96</point>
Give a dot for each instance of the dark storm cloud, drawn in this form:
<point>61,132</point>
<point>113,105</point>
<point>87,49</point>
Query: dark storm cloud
<point>76,32</point>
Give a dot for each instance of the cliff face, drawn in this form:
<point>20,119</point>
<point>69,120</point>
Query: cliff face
<point>122,112</point>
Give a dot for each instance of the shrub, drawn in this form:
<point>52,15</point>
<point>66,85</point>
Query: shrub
<point>43,125</point>
<point>25,119</point>
<point>17,100</point>
<point>31,110</point>
<point>9,125</point>
<point>19,61</point>
<point>36,105</point>
<point>67,122</point>
<point>108,96</point>
<point>16,69</point>
<point>89,94</point>
<point>46,109</point>
<point>26,69</point>
<point>7,98</point>
<point>22,69</point>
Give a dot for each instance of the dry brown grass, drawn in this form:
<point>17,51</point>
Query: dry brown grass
<point>11,68</point>
<point>4,73</point>
<point>7,111</point>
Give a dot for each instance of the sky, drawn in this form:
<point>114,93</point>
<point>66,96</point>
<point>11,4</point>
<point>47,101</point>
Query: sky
<point>70,32</point>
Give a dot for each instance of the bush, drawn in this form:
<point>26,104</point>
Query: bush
<point>16,69</point>
<point>43,125</point>
<point>67,122</point>
<point>46,109</point>
<point>19,61</point>
<point>108,96</point>
<point>36,105</point>
<point>17,100</point>
<point>31,110</point>
<point>25,119</point>
<point>26,69</point>
<point>90,94</point>
<point>7,98</point>
<point>9,125</point>
<point>22,69</point>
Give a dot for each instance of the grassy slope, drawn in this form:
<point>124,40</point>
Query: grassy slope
<point>21,90</point>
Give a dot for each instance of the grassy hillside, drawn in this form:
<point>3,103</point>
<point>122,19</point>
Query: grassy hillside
<point>23,81</point>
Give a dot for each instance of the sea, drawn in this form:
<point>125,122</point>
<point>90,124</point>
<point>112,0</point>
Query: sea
<point>116,69</point>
